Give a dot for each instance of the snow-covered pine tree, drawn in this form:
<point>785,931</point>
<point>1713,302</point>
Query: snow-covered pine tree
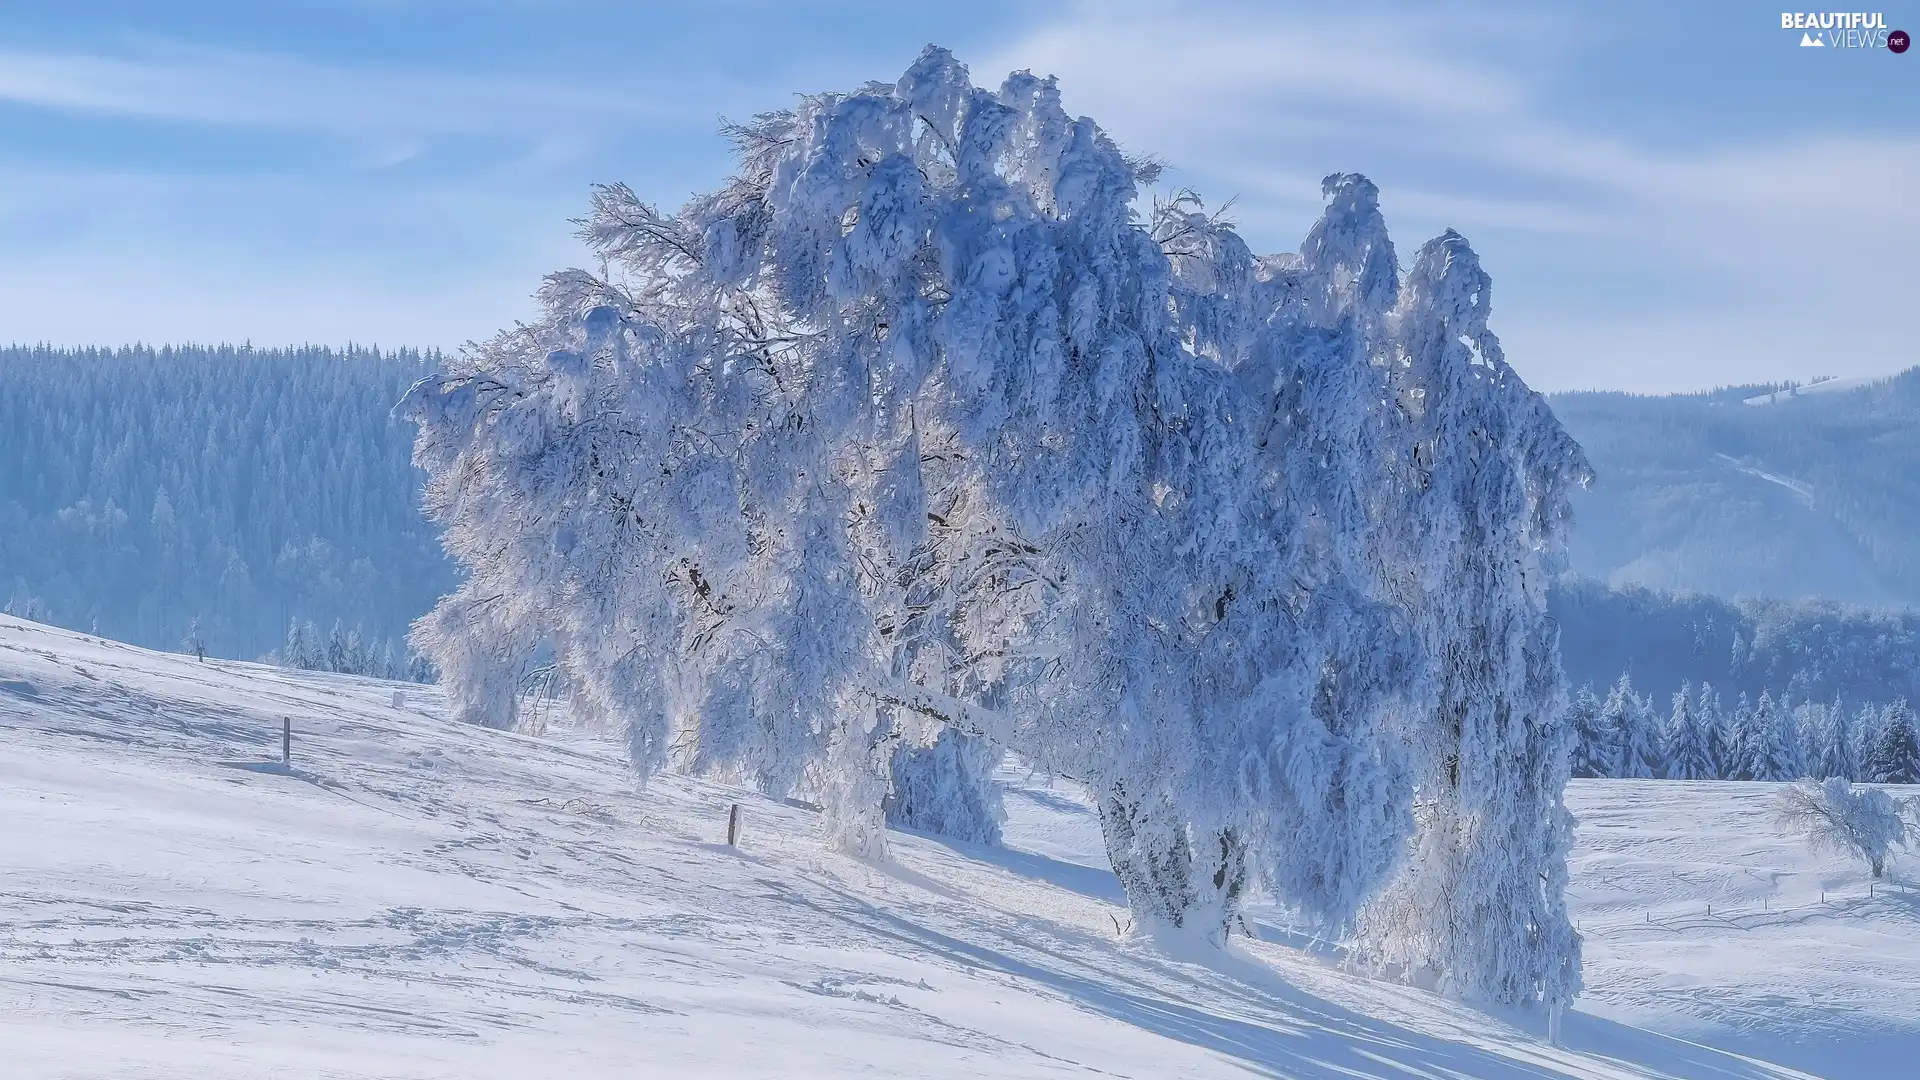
<point>1616,720</point>
<point>295,651</point>
<point>1895,757</point>
<point>194,644</point>
<point>1836,751</point>
<point>337,655</point>
<point>1689,756</point>
<point>1643,745</point>
<point>1809,720</point>
<point>1739,738</point>
<point>1770,743</point>
<point>1795,739</point>
<point>1713,724</point>
<point>1595,749</point>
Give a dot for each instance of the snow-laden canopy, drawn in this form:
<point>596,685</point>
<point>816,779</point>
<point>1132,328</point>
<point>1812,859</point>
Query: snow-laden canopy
<point>917,442</point>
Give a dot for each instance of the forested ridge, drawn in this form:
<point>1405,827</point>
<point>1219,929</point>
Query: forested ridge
<point>1811,495</point>
<point>144,488</point>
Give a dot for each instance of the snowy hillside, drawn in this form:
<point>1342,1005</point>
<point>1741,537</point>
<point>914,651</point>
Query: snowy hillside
<point>1818,386</point>
<point>1810,496</point>
<point>415,898</point>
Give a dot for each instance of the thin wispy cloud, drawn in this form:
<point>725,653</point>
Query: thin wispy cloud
<point>1655,216</point>
<point>268,90</point>
<point>1456,116</point>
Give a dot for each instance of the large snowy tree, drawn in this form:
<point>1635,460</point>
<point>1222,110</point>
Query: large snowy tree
<point>1480,904</point>
<point>916,442</point>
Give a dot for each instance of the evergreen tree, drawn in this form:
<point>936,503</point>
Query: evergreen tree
<point>337,656</point>
<point>1642,741</point>
<point>1838,751</point>
<point>1596,751</point>
<point>1643,746</point>
<point>140,484</point>
<point>1895,758</point>
<point>1714,722</point>
<point>299,649</point>
<point>1770,744</point>
<point>1688,755</point>
<point>1739,731</point>
<point>193,644</point>
<point>1616,724</point>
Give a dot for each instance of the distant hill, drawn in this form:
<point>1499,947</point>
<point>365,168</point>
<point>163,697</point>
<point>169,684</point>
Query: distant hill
<point>144,490</point>
<point>1761,491</point>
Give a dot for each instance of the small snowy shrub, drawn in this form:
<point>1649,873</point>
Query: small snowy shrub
<point>1836,816</point>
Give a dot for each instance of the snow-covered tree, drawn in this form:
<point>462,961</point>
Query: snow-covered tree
<point>1770,751</point>
<point>194,644</point>
<point>1617,721</point>
<point>939,789</point>
<point>1836,752</point>
<point>1481,903</point>
<point>1895,756</point>
<point>1642,747</point>
<point>1835,816</point>
<point>1739,732</point>
<point>914,431</point>
<point>142,485</point>
<point>300,649</point>
<point>1689,754</point>
<point>1596,748</point>
<point>1717,730</point>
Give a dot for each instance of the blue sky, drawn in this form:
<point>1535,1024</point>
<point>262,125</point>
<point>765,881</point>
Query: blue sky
<point>1668,196</point>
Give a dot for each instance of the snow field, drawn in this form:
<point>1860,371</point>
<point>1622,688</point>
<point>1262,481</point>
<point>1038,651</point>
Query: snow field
<point>417,898</point>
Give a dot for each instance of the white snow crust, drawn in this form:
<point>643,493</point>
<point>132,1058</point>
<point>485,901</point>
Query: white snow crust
<point>418,898</point>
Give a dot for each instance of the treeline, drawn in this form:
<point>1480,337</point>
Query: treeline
<point>1702,736</point>
<point>142,489</point>
<point>349,652</point>
<point>1809,650</point>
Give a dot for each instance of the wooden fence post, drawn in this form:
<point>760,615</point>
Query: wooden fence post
<point>733,826</point>
<point>286,740</point>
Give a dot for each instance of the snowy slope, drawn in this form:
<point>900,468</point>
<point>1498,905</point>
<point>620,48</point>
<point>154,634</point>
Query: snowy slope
<point>419,899</point>
<point>1703,921</point>
<point>1819,386</point>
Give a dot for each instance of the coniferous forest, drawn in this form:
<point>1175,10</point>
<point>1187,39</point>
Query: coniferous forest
<point>233,492</point>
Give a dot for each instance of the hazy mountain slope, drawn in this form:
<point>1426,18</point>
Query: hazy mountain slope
<point>415,898</point>
<point>1816,494</point>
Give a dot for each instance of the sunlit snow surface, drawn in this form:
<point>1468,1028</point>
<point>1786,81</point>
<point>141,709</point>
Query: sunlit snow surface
<point>419,899</point>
